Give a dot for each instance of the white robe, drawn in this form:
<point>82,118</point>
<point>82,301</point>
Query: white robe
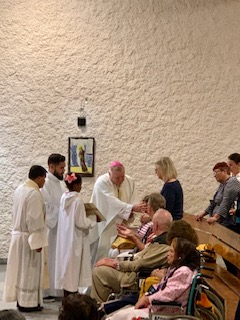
<point>23,282</point>
<point>52,192</point>
<point>73,267</point>
<point>106,198</point>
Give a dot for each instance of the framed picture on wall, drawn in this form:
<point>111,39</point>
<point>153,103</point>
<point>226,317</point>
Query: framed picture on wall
<point>81,156</point>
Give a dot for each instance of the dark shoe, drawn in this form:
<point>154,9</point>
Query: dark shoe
<point>29,309</point>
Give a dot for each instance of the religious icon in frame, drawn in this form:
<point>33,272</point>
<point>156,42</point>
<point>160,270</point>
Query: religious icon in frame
<point>81,156</point>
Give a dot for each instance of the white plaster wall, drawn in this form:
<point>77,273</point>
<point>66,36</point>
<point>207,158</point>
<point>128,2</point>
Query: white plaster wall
<point>161,79</point>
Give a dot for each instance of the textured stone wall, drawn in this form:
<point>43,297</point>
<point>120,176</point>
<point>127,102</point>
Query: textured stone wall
<point>162,78</point>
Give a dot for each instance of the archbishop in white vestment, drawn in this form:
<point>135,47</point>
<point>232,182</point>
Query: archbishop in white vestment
<point>23,282</point>
<point>73,266</point>
<point>115,201</point>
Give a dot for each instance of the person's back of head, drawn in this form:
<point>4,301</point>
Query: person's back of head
<point>182,229</point>
<point>11,314</point>
<point>162,220</point>
<point>36,171</point>
<point>156,201</point>
<point>78,306</point>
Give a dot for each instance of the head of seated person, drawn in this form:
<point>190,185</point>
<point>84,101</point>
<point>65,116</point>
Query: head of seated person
<point>162,220</point>
<point>182,229</point>
<point>155,201</point>
<point>78,306</point>
<point>11,314</point>
<point>183,253</point>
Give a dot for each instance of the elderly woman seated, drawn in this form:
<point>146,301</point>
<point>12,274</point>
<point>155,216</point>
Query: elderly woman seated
<point>183,260</point>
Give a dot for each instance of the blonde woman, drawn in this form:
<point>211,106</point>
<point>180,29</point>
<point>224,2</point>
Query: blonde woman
<point>172,189</point>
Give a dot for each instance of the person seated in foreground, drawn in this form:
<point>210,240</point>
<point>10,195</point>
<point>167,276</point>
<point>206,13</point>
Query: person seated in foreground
<point>11,314</point>
<point>180,229</point>
<point>183,260</point>
<point>78,306</point>
<point>111,275</point>
<point>155,201</point>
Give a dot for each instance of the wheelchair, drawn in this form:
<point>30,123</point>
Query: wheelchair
<point>197,307</point>
<point>203,303</point>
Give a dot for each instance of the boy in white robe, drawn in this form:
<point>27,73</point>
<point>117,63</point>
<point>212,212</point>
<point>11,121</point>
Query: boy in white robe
<point>23,281</point>
<point>73,266</point>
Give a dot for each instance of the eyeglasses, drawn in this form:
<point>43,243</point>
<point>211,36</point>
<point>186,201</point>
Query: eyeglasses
<point>215,172</point>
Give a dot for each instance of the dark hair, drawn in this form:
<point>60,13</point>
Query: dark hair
<point>77,179</point>
<point>182,229</point>
<point>186,254</point>
<point>222,166</point>
<point>11,314</point>
<point>36,171</point>
<point>55,158</point>
<point>235,157</point>
<point>78,306</point>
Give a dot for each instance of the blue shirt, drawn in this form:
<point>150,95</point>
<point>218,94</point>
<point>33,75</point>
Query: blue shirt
<point>173,193</point>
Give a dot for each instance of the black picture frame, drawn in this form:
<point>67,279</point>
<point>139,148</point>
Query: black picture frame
<point>81,152</point>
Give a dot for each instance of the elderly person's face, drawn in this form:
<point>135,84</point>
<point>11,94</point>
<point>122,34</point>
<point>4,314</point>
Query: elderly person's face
<point>234,167</point>
<point>220,175</point>
<point>171,255</point>
<point>117,176</point>
<point>150,210</point>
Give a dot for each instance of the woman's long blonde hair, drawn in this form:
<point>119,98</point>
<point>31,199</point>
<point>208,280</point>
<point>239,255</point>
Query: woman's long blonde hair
<point>167,168</point>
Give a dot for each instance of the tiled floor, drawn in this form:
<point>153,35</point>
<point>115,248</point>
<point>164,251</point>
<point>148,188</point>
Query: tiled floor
<point>50,311</point>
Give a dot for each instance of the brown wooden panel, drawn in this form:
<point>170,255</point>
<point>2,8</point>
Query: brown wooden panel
<point>224,234</point>
<point>227,244</point>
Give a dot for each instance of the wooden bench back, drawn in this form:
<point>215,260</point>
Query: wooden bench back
<point>224,241</point>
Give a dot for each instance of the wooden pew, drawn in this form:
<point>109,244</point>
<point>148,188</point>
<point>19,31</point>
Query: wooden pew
<point>226,243</point>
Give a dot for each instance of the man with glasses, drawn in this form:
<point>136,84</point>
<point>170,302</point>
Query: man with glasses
<point>223,199</point>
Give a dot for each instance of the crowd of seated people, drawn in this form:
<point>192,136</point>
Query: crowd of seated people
<point>180,229</point>
<point>183,260</point>
<point>220,210</point>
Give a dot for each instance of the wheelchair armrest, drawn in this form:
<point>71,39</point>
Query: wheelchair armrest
<point>163,303</point>
<point>145,272</point>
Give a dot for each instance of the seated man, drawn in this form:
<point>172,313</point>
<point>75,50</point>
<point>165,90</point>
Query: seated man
<point>110,275</point>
